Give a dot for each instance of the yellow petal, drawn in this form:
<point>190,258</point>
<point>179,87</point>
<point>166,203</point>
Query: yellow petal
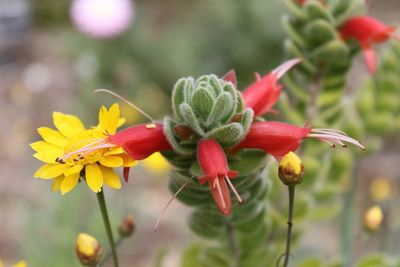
<point>50,171</point>
<point>128,161</point>
<point>40,146</point>
<point>94,177</point>
<point>68,125</point>
<point>50,154</point>
<point>1,263</point>
<point>111,161</point>
<point>57,183</point>
<point>156,163</point>
<point>110,178</point>
<point>121,122</point>
<point>52,136</point>
<point>20,264</point>
<point>103,119</point>
<point>74,169</point>
<point>114,151</point>
<point>69,183</point>
<point>113,116</point>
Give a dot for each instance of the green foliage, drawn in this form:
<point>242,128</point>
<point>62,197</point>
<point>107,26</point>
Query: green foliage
<point>378,99</point>
<point>206,107</point>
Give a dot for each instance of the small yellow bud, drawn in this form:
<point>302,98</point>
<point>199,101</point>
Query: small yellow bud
<point>380,189</point>
<point>88,249</point>
<point>127,226</point>
<point>373,218</point>
<point>291,169</point>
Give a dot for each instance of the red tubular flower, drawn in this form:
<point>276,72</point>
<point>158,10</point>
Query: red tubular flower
<point>262,95</point>
<point>367,31</point>
<point>278,139</point>
<point>142,140</point>
<point>212,161</point>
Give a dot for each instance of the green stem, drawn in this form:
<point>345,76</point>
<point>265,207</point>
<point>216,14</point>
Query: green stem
<point>106,220</point>
<point>347,218</point>
<point>232,243</point>
<point>290,224</point>
<point>109,254</point>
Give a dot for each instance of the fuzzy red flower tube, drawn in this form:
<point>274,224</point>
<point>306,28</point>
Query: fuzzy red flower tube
<point>212,160</point>
<point>278,139</point>
<point>263,94</point>
<point>367,31</point>
<point>142,140</point>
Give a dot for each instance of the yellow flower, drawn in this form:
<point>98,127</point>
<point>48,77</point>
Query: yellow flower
<point>156,164</point>
<point>20,264</point>
<point>64,164</point>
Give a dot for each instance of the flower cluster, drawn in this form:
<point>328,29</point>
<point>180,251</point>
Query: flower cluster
<point>212,120</point>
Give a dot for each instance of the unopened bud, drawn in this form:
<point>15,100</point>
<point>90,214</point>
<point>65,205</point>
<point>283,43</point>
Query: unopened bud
<point>380,189</point>
<point>88,249</point>
<point>373,218</point>
<point>127,226</point>
<point>291,169</point>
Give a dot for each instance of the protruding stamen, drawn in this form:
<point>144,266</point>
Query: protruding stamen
<point>168,204</point>
<point>285,67</point>
<point>221,196</point>
<point>234,190</point>
<point>83,151</point>
<point>126,101</point>
<point>334,136</point>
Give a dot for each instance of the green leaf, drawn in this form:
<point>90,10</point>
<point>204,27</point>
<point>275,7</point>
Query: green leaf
<point>312,263</point>
<point>180,93</point>
<point>316,10</point>
<point>247,119</point>
<point>373,261</point>
<point>228,134</point>
<point>222,108</point>
<point>190,256</point>
<point>169,134</point>
<point>320,31</point>
<point>190,118</point>
<point>249,162</point>
<point>202,103</point>
<point>334,51</point>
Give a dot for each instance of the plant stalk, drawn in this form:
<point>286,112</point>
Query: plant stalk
<point>290,224</point>
<point>106,220</point>
<point>232,243</point>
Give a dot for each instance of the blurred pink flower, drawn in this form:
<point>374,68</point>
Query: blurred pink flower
<point>102,18</point>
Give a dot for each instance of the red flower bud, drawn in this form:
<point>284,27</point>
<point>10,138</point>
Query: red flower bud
<point>230,76</point>
<point>212,161</point>
<point>262,95</point>
<point>142,140</point>
<point>367,31</point>
<point>278,139</point>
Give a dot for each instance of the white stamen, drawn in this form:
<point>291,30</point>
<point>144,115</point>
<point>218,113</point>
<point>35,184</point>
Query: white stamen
<point>333,136</point>
<point>220,193</point>
<point>126,101</point>
<point>168,204</point>
<point>323,130</point>
<point>285,67</point>
<point>234,190</point>
<point>87,150</point>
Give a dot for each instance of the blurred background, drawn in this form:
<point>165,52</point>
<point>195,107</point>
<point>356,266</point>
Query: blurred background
<point>54,54</point>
